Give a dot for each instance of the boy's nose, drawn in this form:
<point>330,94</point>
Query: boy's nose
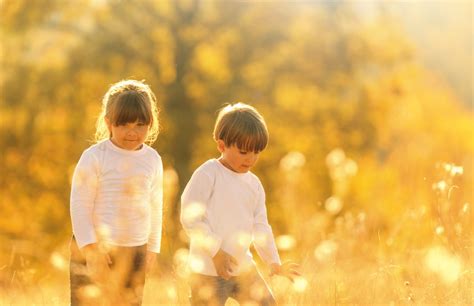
<point>251,158</point>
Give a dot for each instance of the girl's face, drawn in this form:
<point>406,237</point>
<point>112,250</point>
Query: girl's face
<point>129,136</point>
<point>235,159</point>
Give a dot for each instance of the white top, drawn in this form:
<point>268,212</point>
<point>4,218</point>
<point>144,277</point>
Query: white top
<point>224,209</point>
<point>117,197</point>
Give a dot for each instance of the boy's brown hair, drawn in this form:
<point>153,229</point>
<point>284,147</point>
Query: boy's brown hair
<point>241,125</point>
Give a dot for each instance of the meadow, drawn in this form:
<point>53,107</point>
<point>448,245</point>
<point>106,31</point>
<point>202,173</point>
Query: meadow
<point>369,167</point>
<point>345,259</point>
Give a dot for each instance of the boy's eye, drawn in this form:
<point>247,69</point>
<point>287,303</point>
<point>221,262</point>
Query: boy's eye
<point>243,152</point>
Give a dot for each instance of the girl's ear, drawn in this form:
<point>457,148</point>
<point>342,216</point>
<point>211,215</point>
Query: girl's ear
<point>107,122</point>
<point>109,126</point>
<point>221,145</point>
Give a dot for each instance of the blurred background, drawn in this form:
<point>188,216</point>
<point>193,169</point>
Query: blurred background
<point>369,169</point>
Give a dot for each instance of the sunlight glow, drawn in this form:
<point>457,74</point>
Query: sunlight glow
<point>350,167</point>
<point>257,291</point>
<point>180,256</point>
<point>58,261</point>
<point>340,167</point>
<point>170,179</point>
<point>285,242</point>
<point>202,239</point>
<point>205,292</point>
<point>452,169</point>
<point>300,284</point>
<point>292,161</point>
<point>91,291</point>
<point>98,3</point>
<point>325,250</point>
<point>196,264</point>
<point>193,212</point>
<point>180,260</point>
<point>83,181</point>
<point>244,239</point>
<point>333,205</point>
<point>335,158</point>
<point>445,264</point>
<point>456,170</point>
<point>260,239</point>
<point>171,292</point>
<point>103,231</point>
<point>441,186</point>
<point>364,187</point>
<point>132,186</point>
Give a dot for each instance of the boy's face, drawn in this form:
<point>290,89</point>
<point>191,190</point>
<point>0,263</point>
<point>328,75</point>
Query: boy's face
<point>236,159</point>
<point>129,136</point>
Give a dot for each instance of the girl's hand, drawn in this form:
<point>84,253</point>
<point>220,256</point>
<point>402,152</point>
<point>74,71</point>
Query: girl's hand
<point>150,261</point>
<point>287,269</point>
<point>97,263</point>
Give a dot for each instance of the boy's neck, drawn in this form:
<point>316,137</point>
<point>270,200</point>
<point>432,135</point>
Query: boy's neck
<point>225,164</point>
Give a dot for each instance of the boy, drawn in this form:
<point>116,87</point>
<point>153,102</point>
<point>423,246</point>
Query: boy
<point>223,211</point>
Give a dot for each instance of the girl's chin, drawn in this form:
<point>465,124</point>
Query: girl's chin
<point>131,145</point>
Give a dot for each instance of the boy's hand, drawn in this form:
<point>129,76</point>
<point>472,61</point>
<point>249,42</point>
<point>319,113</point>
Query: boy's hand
<point>150,261</point>
<point>223,263</point>
<point>286,269</point>
<point>97,263</point>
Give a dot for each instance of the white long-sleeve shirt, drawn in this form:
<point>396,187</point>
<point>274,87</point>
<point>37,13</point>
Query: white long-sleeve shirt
<point>117,197</point>
<point>224,209</point>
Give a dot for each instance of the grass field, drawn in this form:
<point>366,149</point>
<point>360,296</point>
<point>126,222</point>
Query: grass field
<point>341,270</point>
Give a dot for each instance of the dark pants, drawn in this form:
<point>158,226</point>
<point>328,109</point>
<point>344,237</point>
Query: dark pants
<point>214,290</point>
<point>124,285</point>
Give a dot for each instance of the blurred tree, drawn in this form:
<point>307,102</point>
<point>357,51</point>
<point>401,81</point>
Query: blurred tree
<point>323,79</point>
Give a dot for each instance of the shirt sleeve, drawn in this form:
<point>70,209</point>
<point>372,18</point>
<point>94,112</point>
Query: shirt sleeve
<point>83,193</point>
<point>263,239</point>
<point>194,201</point>
<point>156,216</point>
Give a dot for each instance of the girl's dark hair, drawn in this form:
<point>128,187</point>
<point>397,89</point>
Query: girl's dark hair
<point>128,101</point>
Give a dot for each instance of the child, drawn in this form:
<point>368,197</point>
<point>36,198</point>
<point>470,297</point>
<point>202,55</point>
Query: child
<point>116,201</point>
<point>223,211</point>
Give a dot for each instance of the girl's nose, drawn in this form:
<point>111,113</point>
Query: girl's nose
<point>131,132</point>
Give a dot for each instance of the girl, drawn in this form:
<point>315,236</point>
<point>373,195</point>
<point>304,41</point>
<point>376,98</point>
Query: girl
<point>116,201</point>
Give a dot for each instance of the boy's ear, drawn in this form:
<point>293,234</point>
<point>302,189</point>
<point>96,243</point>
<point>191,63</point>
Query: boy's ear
<point>220,145</point>
<point>109,125</point>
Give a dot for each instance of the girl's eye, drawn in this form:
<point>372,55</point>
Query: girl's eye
<point>243,153</point>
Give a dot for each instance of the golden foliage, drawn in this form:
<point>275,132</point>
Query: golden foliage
<point>357,129</point>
